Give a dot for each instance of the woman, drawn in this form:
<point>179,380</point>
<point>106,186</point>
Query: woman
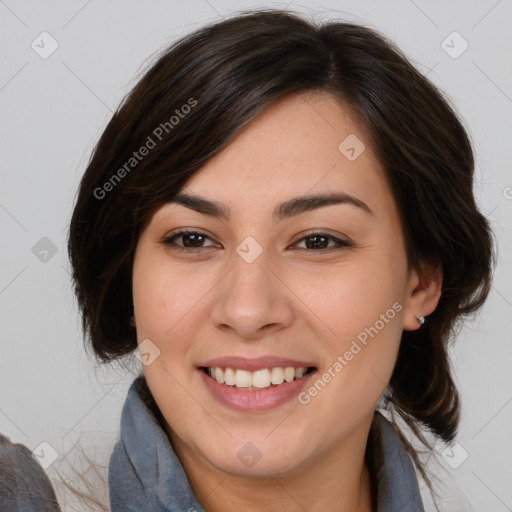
<point>280,217</point>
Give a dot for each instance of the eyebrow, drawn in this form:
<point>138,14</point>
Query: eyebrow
<point>291,207</point>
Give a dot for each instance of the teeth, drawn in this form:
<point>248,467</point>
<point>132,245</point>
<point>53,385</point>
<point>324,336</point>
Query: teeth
<point>219,375</point>
<point>229,376</point>
<point>277,376</point>
<point>259,379</point>
<point>299,372</point>
<point>243,379</point>
<point>289,374</point>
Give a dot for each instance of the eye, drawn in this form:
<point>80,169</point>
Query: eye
<point>192,241</point>
<point>320,241</point>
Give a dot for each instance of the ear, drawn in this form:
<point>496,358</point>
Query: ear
<point>132,321</point>
<point>423,294</point>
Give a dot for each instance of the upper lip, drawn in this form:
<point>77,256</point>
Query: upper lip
<point>258,363</point>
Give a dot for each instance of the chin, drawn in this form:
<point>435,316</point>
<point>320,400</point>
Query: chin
<point>257,458</point>
<point>258,468</point>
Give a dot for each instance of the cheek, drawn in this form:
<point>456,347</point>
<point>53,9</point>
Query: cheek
<point>361,303</point>
<point>163,298</point>
<point>347,298</point>
<point>164,301</point>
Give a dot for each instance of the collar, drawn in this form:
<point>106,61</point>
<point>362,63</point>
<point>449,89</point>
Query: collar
<point>145,475</point>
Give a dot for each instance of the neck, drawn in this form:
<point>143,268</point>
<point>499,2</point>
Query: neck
<point>333,481</point>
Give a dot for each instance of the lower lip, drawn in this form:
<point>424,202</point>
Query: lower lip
<point>260,400</point>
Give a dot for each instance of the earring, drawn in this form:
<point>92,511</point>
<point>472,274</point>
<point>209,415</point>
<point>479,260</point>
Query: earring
<point>421,320</point>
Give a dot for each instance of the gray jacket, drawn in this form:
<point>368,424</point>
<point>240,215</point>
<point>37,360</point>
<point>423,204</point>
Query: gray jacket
<point>145,475</point>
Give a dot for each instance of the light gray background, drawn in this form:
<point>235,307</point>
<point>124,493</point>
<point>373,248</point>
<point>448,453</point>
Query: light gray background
<point>53,110</point>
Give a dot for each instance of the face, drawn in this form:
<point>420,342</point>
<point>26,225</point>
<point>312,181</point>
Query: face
<point>296,310</point>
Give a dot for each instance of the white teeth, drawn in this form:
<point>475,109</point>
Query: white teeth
<point>299,372</point>
<point>219,375</point>
<point>229,377</point>
<point>260,379</point>
<point>289,374</point>
<point>243,379</point>
<point>277,376</point>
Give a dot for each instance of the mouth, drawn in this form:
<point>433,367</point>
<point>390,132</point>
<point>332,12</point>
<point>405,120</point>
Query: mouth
<point>261,379</point>
<point>255,385</point>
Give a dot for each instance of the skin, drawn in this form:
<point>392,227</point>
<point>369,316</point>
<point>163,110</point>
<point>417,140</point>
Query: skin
<point>295,300</point>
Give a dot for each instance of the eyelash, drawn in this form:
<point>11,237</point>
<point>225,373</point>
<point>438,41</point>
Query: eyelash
<point>169,241</point>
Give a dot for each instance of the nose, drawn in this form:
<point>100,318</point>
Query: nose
<point>253,300</point>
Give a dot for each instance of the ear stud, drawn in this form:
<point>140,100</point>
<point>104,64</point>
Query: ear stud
<point>421,320</point>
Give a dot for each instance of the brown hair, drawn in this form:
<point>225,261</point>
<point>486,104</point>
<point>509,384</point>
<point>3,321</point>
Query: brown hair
<point>217,79</point>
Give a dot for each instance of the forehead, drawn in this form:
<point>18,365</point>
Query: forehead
<point>305,144</point>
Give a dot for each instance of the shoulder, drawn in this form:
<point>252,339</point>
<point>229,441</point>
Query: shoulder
<point>23,483</point>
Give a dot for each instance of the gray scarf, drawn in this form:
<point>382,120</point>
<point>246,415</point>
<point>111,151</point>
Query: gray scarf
<point>145,475</point>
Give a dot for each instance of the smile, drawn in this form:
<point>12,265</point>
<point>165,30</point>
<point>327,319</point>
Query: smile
<point>254,380</point>
<point>255,385</point>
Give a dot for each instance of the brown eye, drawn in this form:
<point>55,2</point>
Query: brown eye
<point>189,240</point>
<point>320,241</point>
<point>192,241</point>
